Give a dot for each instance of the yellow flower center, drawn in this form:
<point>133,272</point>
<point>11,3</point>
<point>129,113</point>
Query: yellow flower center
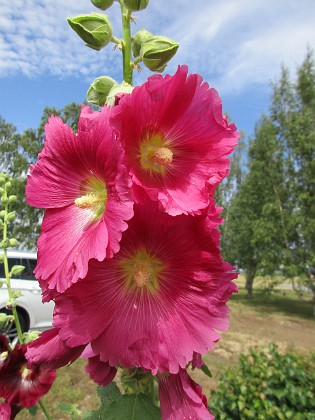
<point>155,154</point>
<point>94,197</point>
<point>24,372</point>
<point>142,270</point>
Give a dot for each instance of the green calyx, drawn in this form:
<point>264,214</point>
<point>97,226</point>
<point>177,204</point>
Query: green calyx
<point>116,90</point>
<point>95,29</point>
<point>100,89</point>
<point>136,5</point>
<point>138,39</point>
<point>157,51</point>
<point>102,4</point>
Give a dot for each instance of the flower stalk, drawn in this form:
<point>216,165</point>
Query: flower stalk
<point>126,44</point>
<point>5,243</point>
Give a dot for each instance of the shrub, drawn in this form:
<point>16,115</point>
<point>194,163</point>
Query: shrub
<point>267,385</point>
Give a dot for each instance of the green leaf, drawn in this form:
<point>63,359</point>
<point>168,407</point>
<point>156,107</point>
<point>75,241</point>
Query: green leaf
<point>115,406</point>
<point>33,410</point>
<point>206,370</point>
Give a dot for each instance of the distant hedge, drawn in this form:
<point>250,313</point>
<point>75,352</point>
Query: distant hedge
<point>267,385</point>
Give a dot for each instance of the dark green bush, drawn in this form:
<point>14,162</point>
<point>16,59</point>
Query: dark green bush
<point>267,385</point>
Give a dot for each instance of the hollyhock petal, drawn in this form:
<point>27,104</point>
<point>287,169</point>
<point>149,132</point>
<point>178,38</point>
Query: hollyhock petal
<point>101,372</point>
<point>20,385</point>
<point>158,301</point>
<point>49,352</point>
<point>5,411</point>
<point>176,140</point>
<point>181,398</point>
<point>197,361</point>
<point>81,181</point>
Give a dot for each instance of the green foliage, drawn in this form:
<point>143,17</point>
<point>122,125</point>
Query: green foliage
<point>267,385</point>
<point>271,219</point>
<point>115,406</point>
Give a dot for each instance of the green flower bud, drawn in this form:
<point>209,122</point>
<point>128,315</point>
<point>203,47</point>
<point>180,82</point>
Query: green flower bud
<point>135,5</point>
<point>4,200</point>
<point>13,242</point>
<point>156,52</point>
<point>1,190</point>
<point>5,243</point>
<point>8,185</point>
<point>2,213</point>
<point>11,216</point>
<point>95,29</point>
<point>117,90</point>
<point>99,90</point>
<point>2,179</point>
<point>138,39</point>
<point>16,294</point>
<point>12,198</point>
<point>102,4</point>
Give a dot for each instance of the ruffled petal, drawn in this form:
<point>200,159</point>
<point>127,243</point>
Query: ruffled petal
<point>49,352</point>
<point>181,398</point>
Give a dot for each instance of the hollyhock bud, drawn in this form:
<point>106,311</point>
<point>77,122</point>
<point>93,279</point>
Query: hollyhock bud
<point>135,5</point>
<point>95,29</point>
<point>157,51</point>
<point>99,90</point>
<point>102,4</point>
<point>138,39</point>
<point>117,92</point>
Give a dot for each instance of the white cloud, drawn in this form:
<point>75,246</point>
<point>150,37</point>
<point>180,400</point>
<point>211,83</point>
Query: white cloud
<point>233,43</point>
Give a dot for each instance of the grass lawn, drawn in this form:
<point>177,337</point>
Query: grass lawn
<point>276,318</point>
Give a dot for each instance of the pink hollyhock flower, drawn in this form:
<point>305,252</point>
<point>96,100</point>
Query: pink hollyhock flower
<point>176,141</point>
<point>182,398</point>
<point>157,301</point>
<point>85,188</point>
<point>18,384</point>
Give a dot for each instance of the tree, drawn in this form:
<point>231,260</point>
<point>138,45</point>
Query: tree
<point>271,221</point>
<point>293,113</point>
<point>249,226</point>
<point>18,152</point>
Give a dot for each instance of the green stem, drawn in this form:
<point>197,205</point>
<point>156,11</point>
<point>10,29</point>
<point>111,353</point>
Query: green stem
<point>42,406</point>
<point>6,271</point>
<point>126,44</point>
<point>153,393</point>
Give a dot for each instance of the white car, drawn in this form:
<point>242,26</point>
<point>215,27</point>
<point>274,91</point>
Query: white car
<point>33,314</point>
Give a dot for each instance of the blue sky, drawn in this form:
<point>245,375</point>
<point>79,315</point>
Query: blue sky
<point>237,46</point>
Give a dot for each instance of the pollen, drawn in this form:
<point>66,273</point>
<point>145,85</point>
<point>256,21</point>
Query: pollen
<point>94,197</point>
<point>155,154</point>
<point>142,271</point>
<point>24,372</point>
<point>141,274</point>
<point>162,156</point>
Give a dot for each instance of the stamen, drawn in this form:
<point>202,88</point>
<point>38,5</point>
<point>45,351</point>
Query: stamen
<point>94,197</point>
<point>141,274</point>
<point>162,156</point>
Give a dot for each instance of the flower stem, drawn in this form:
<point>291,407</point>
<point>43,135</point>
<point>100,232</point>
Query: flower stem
<point>42,406</point>
<point>126,44</point>
<point>6,269</point>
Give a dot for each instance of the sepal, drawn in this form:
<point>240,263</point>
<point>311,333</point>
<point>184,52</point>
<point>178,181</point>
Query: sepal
<point>95,29</point>
<point>157,51</point>
<point>100,89</point>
